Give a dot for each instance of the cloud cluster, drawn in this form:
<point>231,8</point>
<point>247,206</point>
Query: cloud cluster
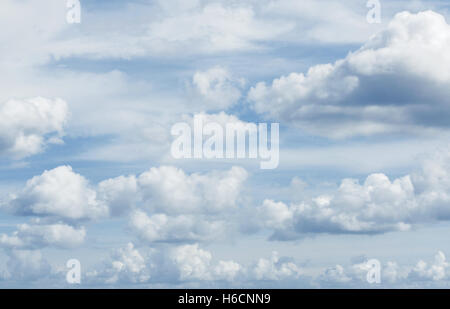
<point>377,205</point>
<point>59,201</point>
<point>392,274</point>
<point>127,265</point>
<point>27,126</point>
<point>193,266</point>
<point>194,263</point>
<point>190,264</point>
<point>163,204</point>
<point>397,82</point>
<point>169,205</point>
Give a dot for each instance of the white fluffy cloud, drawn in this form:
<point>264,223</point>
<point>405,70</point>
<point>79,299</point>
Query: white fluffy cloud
<point>170,190</point>
<point>27,126</point>
<point>194,263</point>
<point>164,204</point>
<point>26,266</point>
<point>177,192</point>
<point>274,214</point>
<point>433,271</point>
<point>392,274</point>
<point>377,205</point>
<point>227,270</point>
<point>58,200</point>
<point>335,274</point>
<point>59,193</point>
<point>276,269</point>
<point>182,228</point>
<point>216,88</point>
<point>119,193</point>
<point>174,206</point>
<point>128,265</point>
<point>189,264</point>
<point>397,82</point>
<point>43,235</point>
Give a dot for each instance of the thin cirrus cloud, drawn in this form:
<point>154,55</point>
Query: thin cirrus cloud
<point>164,28</point>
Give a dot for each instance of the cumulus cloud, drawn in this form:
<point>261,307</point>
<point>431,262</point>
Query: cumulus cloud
<point>58,201</point>
<point>169,190</point>
<point>181,193</point>
<point>333,275</point>
<point>189,264</point>
<point>26,266</point>
<point>397,82</point>
<point>276,269</point>
<point>119,193</point>
<point>274,214</point>
<point>434,271</point>
<point>377,205</point>
<point>227,270</point>
<point>163,228</point>
<point>164,204</point>
<point>127,265</point>
<point>32,236</point>
<point>27,126</point>
<point>215,88</point>
<point>194,263</point>
<point>392,274</point>
<point>130,263</point>
<point>59,193</point>
<point>173,206</point>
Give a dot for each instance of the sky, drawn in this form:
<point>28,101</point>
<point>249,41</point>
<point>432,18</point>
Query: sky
<point>87,109</point>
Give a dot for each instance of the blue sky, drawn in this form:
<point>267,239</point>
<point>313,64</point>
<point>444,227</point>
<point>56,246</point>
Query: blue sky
<point>86,170</point>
